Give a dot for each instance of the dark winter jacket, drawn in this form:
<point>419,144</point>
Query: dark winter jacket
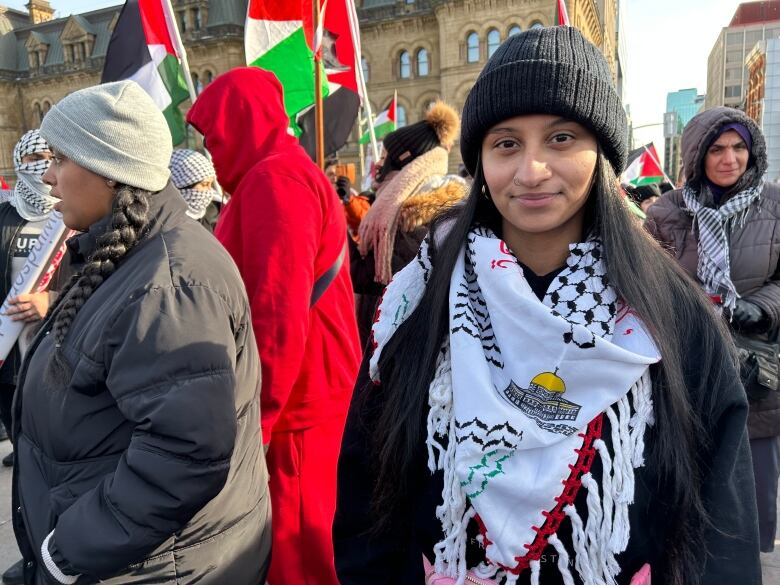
<point>147,465</point>
<point>364,557</point>
<point>11,224</point>
<point>754,246</point>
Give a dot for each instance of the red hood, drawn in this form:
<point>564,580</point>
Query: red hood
<point>241,114</point>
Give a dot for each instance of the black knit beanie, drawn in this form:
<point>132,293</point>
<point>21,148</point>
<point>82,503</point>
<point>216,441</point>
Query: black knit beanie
<point>552,70</point>
<point>407,143</point>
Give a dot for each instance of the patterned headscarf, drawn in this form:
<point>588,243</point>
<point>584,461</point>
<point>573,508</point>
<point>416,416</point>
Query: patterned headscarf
<point>715,225</point>
<point>31,197</point>
<point>188,168</point>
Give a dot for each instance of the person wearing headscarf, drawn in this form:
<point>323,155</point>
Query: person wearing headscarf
<point>194,176</point>
<point>138,451</point>
<point>22,219</point>
<point>722,227</point>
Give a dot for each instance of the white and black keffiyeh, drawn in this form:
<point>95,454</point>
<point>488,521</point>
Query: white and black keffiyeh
<point>715,225</point>
<point>188,168</point>
<point>518,398</point>
<point>31,197</point>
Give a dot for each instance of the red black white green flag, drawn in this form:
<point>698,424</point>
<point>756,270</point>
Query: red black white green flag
<point>643,167</point>
<point>142,49</point>
<point>279,37</point>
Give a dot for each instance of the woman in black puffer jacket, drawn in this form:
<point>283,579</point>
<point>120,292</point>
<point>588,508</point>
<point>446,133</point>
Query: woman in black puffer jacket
<point>139,455</point>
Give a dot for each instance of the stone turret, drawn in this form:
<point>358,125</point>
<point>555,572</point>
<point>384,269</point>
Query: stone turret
<point>40,11</point>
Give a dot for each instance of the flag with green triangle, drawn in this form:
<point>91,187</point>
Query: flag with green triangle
<point>277,38</point>
<point>383,124</point>
<point>142,49</point>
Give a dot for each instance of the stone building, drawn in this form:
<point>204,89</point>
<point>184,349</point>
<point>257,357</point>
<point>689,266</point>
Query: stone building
<point>424,49</point>
<point>43,59</point>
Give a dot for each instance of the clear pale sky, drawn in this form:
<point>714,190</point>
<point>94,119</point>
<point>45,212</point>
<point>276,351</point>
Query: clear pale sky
<point>668,43</point>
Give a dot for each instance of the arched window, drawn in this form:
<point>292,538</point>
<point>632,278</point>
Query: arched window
<point>38,112</point>
<point>364,66</point>
<point>494,40</point>
<point>209,77</point>
<point>514,29</point>
<point>472,47</point>
<point>537,24</point>
<point>423,66</point>
<point>183,21</point>
<point>196,19</point>
<point>46,107</point>
<point>400,116</point>
<point>197,84</point>
<point>405,65</point>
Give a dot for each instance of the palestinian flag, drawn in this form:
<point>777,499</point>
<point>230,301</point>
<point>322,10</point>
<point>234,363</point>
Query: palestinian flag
<point>383,124</point>
<point>141,49</point>
<point>561,14</point>
<point>3,185</point>
<point>280,38</point>
<point>643,167</point>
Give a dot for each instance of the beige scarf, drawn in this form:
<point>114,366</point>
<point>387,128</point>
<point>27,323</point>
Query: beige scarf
<point>379,226</point>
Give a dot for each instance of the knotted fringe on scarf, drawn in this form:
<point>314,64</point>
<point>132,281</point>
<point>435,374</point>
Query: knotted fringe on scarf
<point>715,226</point>
<point>597,540</point>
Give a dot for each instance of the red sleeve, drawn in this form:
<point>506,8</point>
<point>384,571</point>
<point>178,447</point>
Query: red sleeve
<point>272,228</point>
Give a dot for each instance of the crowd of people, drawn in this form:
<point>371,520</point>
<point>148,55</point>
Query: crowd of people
<point>247,371</point>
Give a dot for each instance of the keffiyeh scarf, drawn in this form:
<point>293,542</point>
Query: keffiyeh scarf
<point>189,168</point>
<point>715,225</point>
<point>520,393</point>
<point>31,197</point>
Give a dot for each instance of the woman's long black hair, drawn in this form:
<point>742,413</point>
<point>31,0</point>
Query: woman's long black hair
<point>672,306</point>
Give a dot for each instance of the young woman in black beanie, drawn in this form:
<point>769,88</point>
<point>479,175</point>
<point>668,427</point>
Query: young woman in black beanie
<point>549,398</point>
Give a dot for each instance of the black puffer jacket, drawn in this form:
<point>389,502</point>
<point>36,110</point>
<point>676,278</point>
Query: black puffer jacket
<point>11,224</point>
<point>148,465</point>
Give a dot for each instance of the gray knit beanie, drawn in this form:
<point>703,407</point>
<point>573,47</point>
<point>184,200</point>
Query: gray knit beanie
<point>552,70</point>
<point>114,130</point>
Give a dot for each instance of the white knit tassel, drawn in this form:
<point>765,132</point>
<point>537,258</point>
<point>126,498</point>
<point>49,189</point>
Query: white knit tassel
<point>643,405</point>
<point>624,493</point>
<point>536,569</point>
<point>609,566</point>
<point>451,513</point>
<point>579,541</point>
<point>563,559</point>
<point>593,526</point>
<point>440,408</point>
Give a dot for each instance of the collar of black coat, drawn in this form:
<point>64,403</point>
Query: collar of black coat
<point>167,208</point>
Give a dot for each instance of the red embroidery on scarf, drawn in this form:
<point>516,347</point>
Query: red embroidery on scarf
<point>554,517</point>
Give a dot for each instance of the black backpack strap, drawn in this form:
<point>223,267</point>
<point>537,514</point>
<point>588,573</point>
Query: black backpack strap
<point>323,282</point>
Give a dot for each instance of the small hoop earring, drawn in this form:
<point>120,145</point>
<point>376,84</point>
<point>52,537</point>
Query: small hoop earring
<point>110,183</point>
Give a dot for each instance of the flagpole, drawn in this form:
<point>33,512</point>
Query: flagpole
<point>176,37</point>
<point>355,29</point>
<point>319,117</point>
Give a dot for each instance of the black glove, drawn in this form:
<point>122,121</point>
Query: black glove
<point>343,188</point>
<point>749,317</point>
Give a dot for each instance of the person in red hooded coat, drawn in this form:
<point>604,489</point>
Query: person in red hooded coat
<point>285,229</point>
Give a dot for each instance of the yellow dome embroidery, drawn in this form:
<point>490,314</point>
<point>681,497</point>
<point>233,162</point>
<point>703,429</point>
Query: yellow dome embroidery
<point>550,382</point>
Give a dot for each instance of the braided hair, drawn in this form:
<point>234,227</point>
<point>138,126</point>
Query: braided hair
<point>129,223</point>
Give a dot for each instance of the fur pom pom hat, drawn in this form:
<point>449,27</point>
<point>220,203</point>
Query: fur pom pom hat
<point>439,128</point>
